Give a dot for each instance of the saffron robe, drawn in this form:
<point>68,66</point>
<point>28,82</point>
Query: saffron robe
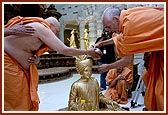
<point>20,86</point>
<point>119,93</point>
<point>142,30</point>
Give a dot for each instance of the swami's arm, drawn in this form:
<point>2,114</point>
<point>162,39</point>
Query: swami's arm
<point>50,39</point>
<point>142,31</point>
<point>19,30</point>
<point>104,43</point>
<point>124,61</point>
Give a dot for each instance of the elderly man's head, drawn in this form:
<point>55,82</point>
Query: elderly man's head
<point>110,18</point>
<point>55,25</point>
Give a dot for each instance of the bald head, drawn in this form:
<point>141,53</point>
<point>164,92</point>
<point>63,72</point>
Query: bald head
<point>55,25</point>
<point>110,12</point>
<point>110,18</point>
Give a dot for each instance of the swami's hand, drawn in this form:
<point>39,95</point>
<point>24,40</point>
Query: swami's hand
<point>95,53</point>
<point>97,45</point>
<point>120,77</point>
<point>103,68</point>
<point>20,29</point>
<point>34,59</point>
<point>104,43</point>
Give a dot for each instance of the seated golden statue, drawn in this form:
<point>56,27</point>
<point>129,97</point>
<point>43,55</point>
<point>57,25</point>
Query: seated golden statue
<point>85,94</point>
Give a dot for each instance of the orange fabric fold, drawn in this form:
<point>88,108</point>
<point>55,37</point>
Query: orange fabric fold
<point>154,95</point>
<point>118,93</point>
<point>142,30</point>
<point>25,20</point>
<point>111,75</point>
<point>145,77</point>
<point>32,77</point>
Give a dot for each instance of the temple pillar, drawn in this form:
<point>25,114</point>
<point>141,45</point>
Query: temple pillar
<point>61,32</point>
<point>99,28</point>
<point>81,30</point>
<point>92,30</point>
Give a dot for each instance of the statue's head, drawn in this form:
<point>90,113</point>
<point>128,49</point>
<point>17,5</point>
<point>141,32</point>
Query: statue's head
<point>84,66</point>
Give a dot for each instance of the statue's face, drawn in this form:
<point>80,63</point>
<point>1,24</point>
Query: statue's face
<point>85,68</point>
<point>87,72</point>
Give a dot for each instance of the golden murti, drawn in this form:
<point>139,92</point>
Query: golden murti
<point>72,39</point>
<point>85,94</point>
<point>86,39</point>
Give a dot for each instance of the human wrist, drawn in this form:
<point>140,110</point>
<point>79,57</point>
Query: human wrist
<point>86,52</point>
<point>101,44</point>
<point>109,66</point>
<point>92,46</point>
<point>12,31</point>
<point>9,31</point>
<point>117,78</point>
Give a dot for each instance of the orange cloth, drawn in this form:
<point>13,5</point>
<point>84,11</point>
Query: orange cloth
<point>154,95</point>
<point>142,30</point>
<point>119,93</point>
<point>145,77</point>
<point>18,98</point>
<point>111,75</point>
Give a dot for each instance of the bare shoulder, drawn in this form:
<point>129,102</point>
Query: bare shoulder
<point>37,26</point>
<point>41,30</point>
